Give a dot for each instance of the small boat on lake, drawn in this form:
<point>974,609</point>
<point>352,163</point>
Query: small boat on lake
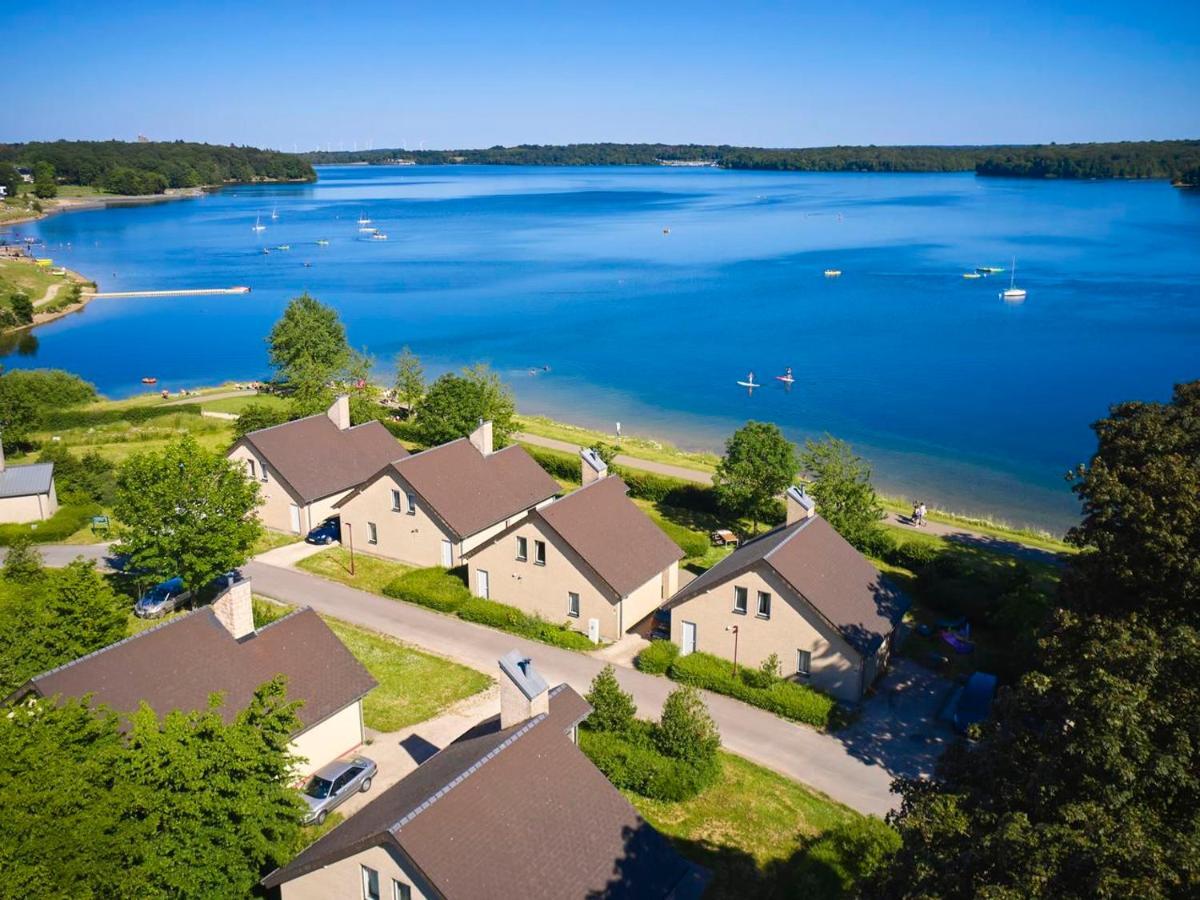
<point>1013,292</point>
<point>971,275</point>
<point>379,236</point>
<point>258,225</point>
<point>321,242</point>
<point>284,247</point>
<point>989,270</point>
<point>833,273</point>
<point>149,379</point>
<point>275,213</point>
<point>363,219</point>
<point>266,251</point>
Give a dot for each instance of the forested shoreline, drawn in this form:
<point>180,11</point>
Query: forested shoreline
<point>1175,160</point>
<point>124,167</point>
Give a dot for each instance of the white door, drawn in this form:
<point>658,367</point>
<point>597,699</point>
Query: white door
<point>447,555</point>
<point>594,630</point>
<point>295,511</point>
<point>481,584</point>
<point>689,639</point>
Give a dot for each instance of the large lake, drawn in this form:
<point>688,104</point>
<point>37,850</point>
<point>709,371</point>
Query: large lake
<point>969,402</point>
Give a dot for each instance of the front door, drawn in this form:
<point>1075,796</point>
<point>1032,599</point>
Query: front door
<point>689,639</point>
<point>481,584</point>
<point>295,513</point>
<point>447,555</point>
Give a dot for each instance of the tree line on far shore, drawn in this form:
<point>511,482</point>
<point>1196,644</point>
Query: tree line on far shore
<point>1177,160</point>
<point>123,167</point>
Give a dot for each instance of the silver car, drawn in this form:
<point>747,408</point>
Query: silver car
<point>332,785</point>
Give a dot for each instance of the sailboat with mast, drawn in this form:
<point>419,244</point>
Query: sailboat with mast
<point>1013,292</point>
<point>258,225</point>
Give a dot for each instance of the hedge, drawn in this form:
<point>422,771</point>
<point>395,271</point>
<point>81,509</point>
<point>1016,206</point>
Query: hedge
<point>84,418</point>
<point>633,764</point>
<point>60,526</point>
<point>657,658</point>
<point>436,588</point>
<point>784,698</point>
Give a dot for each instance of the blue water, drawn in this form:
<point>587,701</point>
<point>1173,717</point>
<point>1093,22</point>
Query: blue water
<point>955,396</point>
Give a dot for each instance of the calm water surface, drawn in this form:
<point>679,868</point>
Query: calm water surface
<point>954,395</point>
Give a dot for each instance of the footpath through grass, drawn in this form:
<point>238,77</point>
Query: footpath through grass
<point>764,836</point>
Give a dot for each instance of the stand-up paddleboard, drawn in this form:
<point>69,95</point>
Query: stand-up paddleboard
<point>749,384</point>
<point>786,379</point>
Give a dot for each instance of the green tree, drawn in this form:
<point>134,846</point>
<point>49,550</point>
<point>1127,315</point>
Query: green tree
<point>23,562</point>
<point>185,511</point>
<point>607,453</point>
<point>759,464</point>
<point>410,380</point>
<point>841,486</point>
<point>612,708</point>
<point>1140,532</point>
<point>256,416</point>
<point>26,395</point>
<point>365,395</point>
<point>44,184</point>
<point>1085,783</point>
<point>455,405</point>
<point>308,342</point>
<point>10,179</point>
<point>686,730</point>
<point>22,307</point>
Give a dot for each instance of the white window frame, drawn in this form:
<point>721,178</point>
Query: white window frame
<point>397,506</point>
<point>744,595</point>
<point>401,890</point>
<point>367,873</point>
<point>372,533</point>
<point>412,502</point>
<point>572,604</point>
<point>804,663</point>
<point>522,549</point>
<point>763,595</point>
<point>539,553</point>
<point>252,469</point>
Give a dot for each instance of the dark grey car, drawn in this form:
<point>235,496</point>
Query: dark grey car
<point>333,784</point>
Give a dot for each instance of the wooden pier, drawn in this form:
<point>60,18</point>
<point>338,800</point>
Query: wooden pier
<point>195,292</point>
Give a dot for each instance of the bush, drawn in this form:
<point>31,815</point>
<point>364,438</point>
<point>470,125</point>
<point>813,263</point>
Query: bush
<point>60,526</point>
<point>56,419</point>
<point>692,543</point>
<point>784,698</point>
<point>657,658</point>
<point>686,730</point>
<point>912,555</point>
<point>557,464</point>
<point>863,845</point>
<point>612,708</point>
<point>22,307</point>
<point>876,542</point>
<point>255,416</point>
<point>633,764</point>
<point>434,588</point>
<point>405,430</point>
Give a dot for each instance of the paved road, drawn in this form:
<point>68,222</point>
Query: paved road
<point>820,760</point>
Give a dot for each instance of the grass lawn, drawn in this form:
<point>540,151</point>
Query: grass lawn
<point>237,404</point>
<point>642,448</point>
<point>24,276</point>
<point>270,539</point>
<point>117,440</point>
<point>413,685</point>
<point>370,573</point>
<point>762,835</point>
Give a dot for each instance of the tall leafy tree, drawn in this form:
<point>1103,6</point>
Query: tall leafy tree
<point>410,379</point>
<point>455,404</point>
<point>1140,532</point>
<point>759,464</point>
<point>308,342</point>
<point>185,511</point>
<point>841,485</point>
<point>45,185</point>
<point>10,179</point>
<point>365,395</point>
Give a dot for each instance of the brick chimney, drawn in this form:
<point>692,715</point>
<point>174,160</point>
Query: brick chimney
<point>481,437</point>
<point>799,505</point>
<point>591,467</point>
<point>339,412</point>
<point>523,691</point>
<point>235,610</point>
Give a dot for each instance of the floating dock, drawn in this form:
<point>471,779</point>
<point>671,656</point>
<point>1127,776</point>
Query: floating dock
<point>195,292</point>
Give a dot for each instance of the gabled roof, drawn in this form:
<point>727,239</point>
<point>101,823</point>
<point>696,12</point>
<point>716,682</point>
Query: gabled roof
<point>616,539</point>
<point>177,665</point>
<point>515,812</point>
<point>469,491</point>
<point>825,570</point>
<point>317,459</point>
<point>26,481</point>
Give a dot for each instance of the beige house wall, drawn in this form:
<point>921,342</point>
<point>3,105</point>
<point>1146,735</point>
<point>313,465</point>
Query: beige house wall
<point>276,501</point>
<point>31,508</point>
<point>340,733</point>
<point>650,596</point>
<point>343,879</point>
<point>793,626</point>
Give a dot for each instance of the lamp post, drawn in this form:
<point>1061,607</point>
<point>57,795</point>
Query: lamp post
<point>734,629</point>
<point>350,545</point>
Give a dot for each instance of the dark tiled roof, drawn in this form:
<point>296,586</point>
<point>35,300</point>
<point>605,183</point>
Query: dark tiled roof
<point>518,812</point>
<point>822,567</point>
<point>619,541</point>
<point>178,664</point>
<point>469,491</point>
<point>317,459</point>
<point>26,481</point>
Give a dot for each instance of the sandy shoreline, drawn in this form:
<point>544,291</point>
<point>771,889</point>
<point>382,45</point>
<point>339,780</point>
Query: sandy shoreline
<point>77,204</point>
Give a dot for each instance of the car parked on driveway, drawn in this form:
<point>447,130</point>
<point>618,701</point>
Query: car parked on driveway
<point>328,532</point>
<point>661,625</point>
<point>163,598</point>
<point>333,784</point>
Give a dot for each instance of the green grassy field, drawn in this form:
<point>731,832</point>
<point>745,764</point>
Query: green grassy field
<point>237,404</point>
<point>762,835</point>
<point>370,573</point>
<point>642,448</point>
<point>270,539</point>
<point>22,275</point>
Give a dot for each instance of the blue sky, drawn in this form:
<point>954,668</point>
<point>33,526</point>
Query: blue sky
<point>460,74</point>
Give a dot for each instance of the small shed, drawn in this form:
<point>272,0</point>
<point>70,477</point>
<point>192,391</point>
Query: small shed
<point>27,492</point>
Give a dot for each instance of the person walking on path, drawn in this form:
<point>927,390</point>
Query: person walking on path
<point>921,511</point>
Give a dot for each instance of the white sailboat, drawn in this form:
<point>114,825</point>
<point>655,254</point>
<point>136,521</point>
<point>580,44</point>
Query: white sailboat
<point>275,213</point>
<point>258,225</point>
<point>1013,292</point>
<point>363,219</point>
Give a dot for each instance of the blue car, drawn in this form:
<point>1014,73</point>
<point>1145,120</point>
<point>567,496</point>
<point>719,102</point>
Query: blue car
<point>327,532</point>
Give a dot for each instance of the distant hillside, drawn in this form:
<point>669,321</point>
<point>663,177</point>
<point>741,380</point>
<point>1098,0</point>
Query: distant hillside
<point>124,167</point>
<point>1129,159</point>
